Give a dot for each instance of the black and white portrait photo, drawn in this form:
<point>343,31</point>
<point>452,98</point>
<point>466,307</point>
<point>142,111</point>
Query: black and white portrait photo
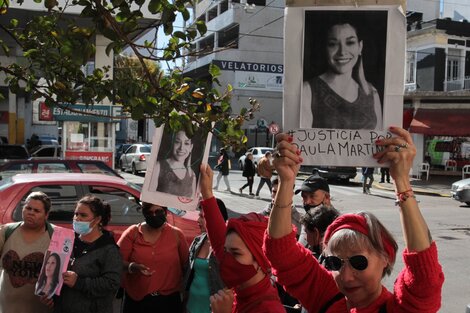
<point>173,168</point>
<point>343,79</point>
<point>344,69</point>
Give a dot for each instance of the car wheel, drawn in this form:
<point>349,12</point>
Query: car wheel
<point>121,166</point>
<point>134,170</point>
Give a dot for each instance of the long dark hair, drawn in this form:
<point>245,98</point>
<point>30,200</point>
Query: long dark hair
<point>55,277</point>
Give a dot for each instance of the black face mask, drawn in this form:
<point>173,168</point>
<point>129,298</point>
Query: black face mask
<point>307,207</point>
<point>157,220</point>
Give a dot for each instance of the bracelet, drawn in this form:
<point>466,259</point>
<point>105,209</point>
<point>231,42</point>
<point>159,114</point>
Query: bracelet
<point>289,205</point>
<point>129,268</point>
<point>403,196</point>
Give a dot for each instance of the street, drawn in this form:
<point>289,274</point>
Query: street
<point>448,221</point>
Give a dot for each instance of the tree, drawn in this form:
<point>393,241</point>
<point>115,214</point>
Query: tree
<point>57,45</point>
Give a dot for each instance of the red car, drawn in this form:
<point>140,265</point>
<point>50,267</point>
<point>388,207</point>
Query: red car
<point>65,189</point>
<point>14,167</point>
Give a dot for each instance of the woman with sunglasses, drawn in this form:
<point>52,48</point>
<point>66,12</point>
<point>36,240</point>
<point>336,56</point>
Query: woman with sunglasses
<point>358,249</point>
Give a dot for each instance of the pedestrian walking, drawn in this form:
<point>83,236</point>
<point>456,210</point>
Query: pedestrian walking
<point>249,171</point>
<point>384,173</point>
<point>223,165</point>
<point>368,174</point>
<point>22,247</point>
<point>265,172</point>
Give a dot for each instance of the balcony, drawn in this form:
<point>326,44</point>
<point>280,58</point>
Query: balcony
<point>457,84</point>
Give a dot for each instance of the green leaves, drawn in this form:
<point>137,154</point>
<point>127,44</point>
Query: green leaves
<point>59,52</point>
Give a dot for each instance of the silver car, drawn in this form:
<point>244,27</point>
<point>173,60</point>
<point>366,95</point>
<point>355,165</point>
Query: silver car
<point>134,159</point>
<point>258,153</point>
<point>461,190</point>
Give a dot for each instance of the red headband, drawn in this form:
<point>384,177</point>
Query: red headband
<point>357,223</point>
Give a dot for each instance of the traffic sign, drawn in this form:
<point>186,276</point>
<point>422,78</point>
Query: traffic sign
<point>273,128</point>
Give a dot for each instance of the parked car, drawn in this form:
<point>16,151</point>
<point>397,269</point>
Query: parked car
<point>46,151</point>
<point>120,149</point>
<point>12,168</point>
<point>41,140</point>
<point>258,153</point>
<point>460,190</point>
<point>341,173</point>
<point>66,189</point>
<point>12,152</point>
<point>135,158</point>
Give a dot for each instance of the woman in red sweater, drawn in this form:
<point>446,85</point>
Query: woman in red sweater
<point>237,246</point>
<point>359,251</point>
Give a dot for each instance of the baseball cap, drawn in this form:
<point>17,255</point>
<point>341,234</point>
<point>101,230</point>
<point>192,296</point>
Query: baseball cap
<point>314,183</point>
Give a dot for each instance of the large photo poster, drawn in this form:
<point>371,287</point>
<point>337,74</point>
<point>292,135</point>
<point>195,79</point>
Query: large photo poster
<point>172,177</point>
<point>344,83</point>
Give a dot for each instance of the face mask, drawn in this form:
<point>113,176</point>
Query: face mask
<point>157,220</point>
<point>307,207</point>
<point>233,273</point>
<point>81,228</point>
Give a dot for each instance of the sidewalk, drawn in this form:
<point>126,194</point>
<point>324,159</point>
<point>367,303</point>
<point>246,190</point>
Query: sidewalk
<point>437,185</point>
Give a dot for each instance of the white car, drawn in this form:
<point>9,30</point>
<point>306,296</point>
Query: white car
<point>134,159</point>
<point>258,153</point>
<point>461,190</point>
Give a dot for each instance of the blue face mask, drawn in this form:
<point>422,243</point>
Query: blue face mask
<point>81,228</point>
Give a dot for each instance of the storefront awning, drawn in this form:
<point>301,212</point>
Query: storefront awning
<point>441,122</point>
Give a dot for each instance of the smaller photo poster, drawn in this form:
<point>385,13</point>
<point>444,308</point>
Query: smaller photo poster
<point>172,177</point>
<point>56,260</point>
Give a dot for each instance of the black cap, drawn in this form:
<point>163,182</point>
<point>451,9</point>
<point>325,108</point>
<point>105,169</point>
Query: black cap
<point>314,183</point>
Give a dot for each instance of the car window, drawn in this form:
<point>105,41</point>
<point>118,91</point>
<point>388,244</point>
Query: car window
<point>63,200</point>
<point>14,169</point>
<point>124,206</point>
<point>53,168</point>
<point>145,149</point>
<point>132,149</point>
<point>263,151</point>
<point>46,152</point>
<point>95,168</point>
<point>13,152</point>
<point>254,151</point>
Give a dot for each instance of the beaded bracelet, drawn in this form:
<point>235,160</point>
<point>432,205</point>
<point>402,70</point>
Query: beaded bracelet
<point>403,196</point>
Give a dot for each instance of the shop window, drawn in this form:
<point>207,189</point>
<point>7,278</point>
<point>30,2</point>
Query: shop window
<point>228,37</point>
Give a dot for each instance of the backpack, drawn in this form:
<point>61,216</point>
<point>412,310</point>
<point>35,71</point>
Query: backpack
<point>10,228</point>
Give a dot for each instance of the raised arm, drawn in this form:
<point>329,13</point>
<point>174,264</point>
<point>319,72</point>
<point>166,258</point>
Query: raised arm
<point>287,163</point>
<point>215,224</point>
<point>400,152</point>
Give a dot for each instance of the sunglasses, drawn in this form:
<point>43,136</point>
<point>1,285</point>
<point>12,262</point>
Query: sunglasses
<point>333,263</point>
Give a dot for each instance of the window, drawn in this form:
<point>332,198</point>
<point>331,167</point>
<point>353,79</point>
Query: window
<point>410,67</point>
<point>212,14</point>
<point>207,43</point>
<point>95,168</point>
<point>223,6</point>
<point>452,69</point>
<point>228,37</point>
<point>63,200</point>
<point>53,168</point>
<point>125,208</point>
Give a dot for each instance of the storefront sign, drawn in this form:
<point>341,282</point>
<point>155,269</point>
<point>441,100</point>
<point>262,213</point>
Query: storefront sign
<point>258,81</point>
<point>249,67</point>
<point>45,112</point>
<point>106,157</point>
<point>82,113</point>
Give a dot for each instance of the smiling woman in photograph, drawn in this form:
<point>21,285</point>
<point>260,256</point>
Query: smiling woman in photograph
<point>49,278</point>
<point>341,97</point>
<point>175,175</point>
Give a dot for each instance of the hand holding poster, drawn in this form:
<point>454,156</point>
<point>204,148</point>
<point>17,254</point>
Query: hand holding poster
<point>55,263</point>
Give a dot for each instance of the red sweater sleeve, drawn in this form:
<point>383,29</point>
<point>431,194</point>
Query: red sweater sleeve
<point>418,287</point>
<point>215,225</point>
<point>299,272</point>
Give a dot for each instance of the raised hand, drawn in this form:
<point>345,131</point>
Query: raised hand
<point>286,158</point>
<point>206,181</point>
<point>222,301</point>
